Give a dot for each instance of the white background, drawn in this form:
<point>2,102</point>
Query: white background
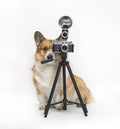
<point>96,35</point>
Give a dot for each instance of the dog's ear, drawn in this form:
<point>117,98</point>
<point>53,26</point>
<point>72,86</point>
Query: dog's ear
<point>38,38</point>
<point>59,38</point>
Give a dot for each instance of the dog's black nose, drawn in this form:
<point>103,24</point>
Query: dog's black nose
<point>50,56</point>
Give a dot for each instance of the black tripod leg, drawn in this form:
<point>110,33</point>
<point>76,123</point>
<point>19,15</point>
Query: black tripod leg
<point>64,87</point>
<point>52,90</point>
<point>77,90</point>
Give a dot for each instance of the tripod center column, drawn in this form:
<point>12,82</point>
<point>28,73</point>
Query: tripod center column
<point>64,86</point>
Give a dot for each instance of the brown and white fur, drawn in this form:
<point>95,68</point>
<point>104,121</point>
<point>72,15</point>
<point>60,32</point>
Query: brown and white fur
<point>43,75</point>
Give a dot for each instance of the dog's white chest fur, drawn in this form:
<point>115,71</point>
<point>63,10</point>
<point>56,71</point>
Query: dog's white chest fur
<point>46,75</point>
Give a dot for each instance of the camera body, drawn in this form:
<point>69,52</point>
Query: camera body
<point>63,46</point>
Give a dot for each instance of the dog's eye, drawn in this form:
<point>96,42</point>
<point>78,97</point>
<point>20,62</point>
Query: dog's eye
<point>45,48</point>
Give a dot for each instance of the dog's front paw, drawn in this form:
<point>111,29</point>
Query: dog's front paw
<point>42,107</point>
<point>58,106</point>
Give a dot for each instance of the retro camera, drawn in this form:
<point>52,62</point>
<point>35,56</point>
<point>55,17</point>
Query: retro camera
<point>64,46</point>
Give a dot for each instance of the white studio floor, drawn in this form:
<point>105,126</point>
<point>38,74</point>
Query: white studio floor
<point>21,112</point>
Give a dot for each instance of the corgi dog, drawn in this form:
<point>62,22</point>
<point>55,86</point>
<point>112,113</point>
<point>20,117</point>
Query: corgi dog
<point>44,74</point>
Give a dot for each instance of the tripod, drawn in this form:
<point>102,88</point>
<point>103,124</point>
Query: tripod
<point>64,64</point>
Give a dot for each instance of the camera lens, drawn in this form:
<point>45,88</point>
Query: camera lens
<point>64,47</point>
<point>64,34</point>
